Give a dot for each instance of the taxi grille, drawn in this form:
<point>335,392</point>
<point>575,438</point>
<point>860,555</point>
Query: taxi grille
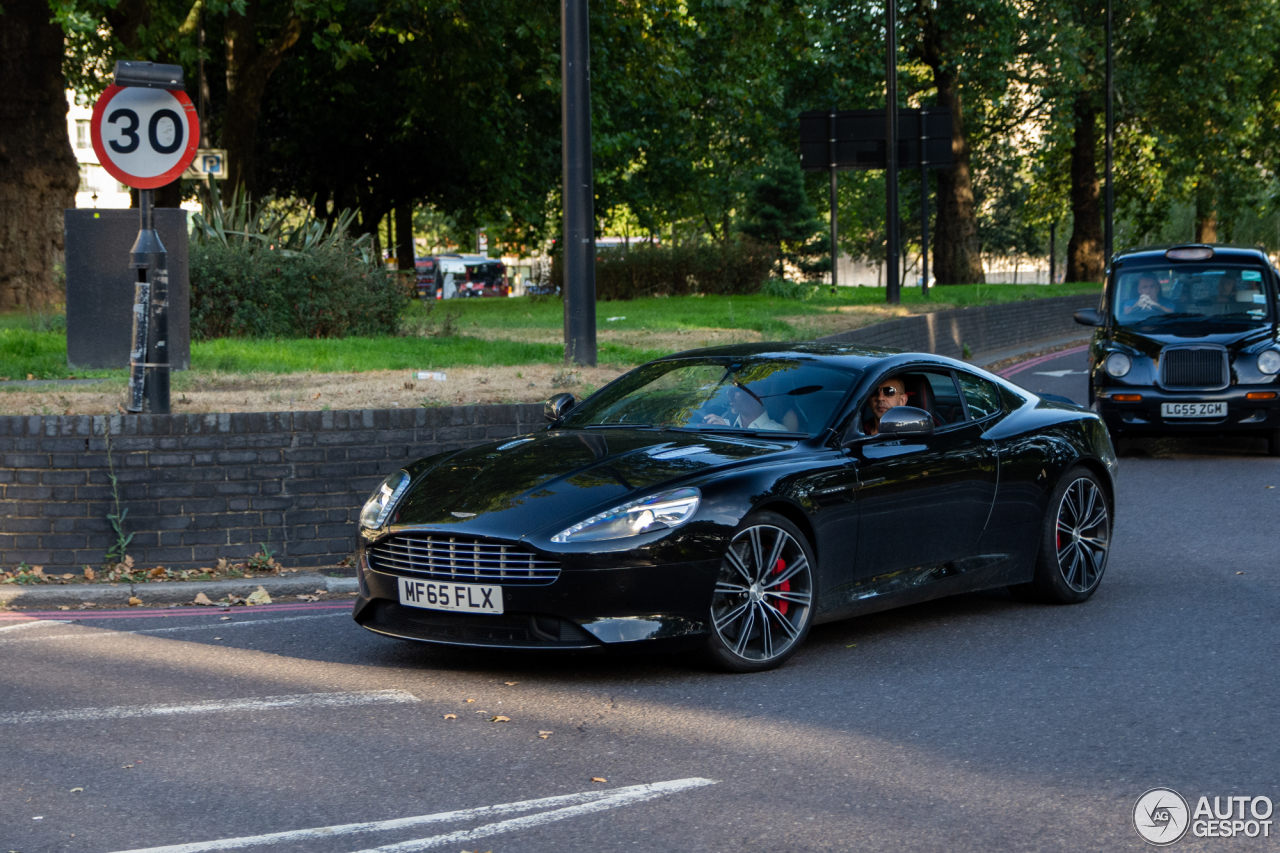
<point>442,557</point>
<point>1193,368</point>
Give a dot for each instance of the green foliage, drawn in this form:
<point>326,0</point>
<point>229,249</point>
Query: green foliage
<point>262,270</point>
<point>732,267</point>
<point>778,213</point>
<point>781,288</point>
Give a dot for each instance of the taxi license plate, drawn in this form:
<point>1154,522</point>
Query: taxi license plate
<point>1193,410</point>
<point>464,597</point>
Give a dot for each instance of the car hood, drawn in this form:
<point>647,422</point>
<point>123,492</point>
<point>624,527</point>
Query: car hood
<point>519,486</point>
<point>1153,338</point>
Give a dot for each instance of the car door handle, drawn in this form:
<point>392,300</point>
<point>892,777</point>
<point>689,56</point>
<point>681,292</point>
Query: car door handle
<point>864,483</point>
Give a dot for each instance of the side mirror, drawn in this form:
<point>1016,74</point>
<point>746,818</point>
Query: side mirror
<point>903,421</point>
<point>557,407</point>
<point>1088,317</point>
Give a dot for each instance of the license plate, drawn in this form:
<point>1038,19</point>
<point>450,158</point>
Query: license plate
<point>464,597</point>
<point>1193,410</point>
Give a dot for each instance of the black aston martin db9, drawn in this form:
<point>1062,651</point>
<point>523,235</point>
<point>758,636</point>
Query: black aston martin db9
<point>728,499</point>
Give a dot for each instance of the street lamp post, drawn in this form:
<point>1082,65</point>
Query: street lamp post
<point>892,293</point>
<point>1109,237</point>
<point>579,208</point>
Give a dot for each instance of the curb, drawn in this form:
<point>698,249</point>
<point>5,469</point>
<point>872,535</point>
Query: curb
<point>166,592</point>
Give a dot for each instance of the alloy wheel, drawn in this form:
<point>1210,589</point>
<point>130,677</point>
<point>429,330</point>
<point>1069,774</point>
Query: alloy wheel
<point>763,594</point>
<point>1084,534</point>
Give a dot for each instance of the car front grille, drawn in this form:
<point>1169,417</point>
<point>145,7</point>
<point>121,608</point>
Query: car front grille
<point>510,630</point>
<point>1194,368</point>
<point>442,557</point>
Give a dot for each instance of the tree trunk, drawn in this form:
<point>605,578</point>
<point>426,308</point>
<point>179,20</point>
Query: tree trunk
<point>1084,252</point>
<point>249,67</point>
<point>38,172</point>
<point>1206,213</point>
<point>405,249</point>
<point>956,256</point>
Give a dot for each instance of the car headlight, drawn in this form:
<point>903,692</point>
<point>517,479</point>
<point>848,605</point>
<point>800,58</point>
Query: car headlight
<point>383,500</point>
<point>656,512</point>
<point>1117,364</point>
<point>1269,362</point>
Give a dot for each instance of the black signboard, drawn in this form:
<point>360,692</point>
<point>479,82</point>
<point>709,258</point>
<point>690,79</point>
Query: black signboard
<point>860,144</point>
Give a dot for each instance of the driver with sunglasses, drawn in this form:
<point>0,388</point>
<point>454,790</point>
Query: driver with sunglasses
<point>892,392</point>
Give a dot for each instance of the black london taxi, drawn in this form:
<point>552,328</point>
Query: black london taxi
<point>1186,341</point>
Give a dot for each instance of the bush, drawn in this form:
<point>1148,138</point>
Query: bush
<point>263,270</point>
<point>330,292</point>
<point>646,270</point>
<point>781,288</point>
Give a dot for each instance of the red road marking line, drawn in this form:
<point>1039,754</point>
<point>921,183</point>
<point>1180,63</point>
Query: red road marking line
<point>71,615</point>
<point>1021,366</point>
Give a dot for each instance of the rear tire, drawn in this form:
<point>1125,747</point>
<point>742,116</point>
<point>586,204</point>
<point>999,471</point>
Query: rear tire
<point>1075,539</point>
<point>762,607</point>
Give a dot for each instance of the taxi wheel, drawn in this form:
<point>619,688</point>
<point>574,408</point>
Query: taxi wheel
<point>762,606</point>
<point>1075,539</point>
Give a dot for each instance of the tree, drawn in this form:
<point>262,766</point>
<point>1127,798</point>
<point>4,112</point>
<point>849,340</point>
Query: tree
<point>778,212</point>
<point>38,174</point>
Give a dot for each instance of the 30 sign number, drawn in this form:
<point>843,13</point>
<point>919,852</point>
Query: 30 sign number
<point>144,138</point>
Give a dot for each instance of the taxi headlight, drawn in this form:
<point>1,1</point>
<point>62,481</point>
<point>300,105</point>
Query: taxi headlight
<point>1117,364</point>
<point>378,508</point>
<point>656,512</point>
<point>1269,362</point>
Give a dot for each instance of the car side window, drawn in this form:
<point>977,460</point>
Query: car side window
<point>982,397</point>
<point>946,399</point>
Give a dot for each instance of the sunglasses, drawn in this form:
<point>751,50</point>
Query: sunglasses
<point>889,391</point>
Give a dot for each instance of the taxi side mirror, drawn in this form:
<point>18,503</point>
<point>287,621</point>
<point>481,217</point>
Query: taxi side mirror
<point>1088,317</point>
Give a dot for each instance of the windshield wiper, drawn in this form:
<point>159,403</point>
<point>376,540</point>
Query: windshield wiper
<point>731,430</point>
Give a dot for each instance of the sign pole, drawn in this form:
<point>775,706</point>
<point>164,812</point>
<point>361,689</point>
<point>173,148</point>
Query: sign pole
<point>892,295</point>
<point>1111,197</point>
<point>924,203</point>
<point>835,215</point>
<point>579,200</point>
<point>149,357</point>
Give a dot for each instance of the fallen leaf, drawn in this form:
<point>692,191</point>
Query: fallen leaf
<point>125,766</point>
<point>353,593</point>
<point>77,790</point>
<point>89,574</point>
<point>85,605</point>
<point>158,572</point>
<point>469,701</point>
<point>68,576</point>
<point>38,571</point>
<point>852,646</point>
<point>318,591</point>
<point>500,719</point>
<point>1268,487</point>
<point>64,606</point>
<point>544,737</point>
<point>598,779</point>
<point>224,618</point>
<point>308,598</point>
<point>128,563</point>
<point>202,599</point>
<point>451,716</point>
<point>511,683</point>
<point>545,733</point>
<point>134,601</point>
<point>1239,573</point>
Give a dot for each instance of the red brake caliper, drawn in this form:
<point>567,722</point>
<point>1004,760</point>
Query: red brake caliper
<point>785,586</point>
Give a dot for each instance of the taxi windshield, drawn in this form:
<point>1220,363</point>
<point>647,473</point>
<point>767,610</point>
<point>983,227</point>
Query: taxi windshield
<point>1201,292</point>
<point>783,395</point>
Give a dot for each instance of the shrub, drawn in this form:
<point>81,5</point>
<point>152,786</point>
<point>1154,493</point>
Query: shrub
<point>263,270</point>
<point>326,293</point>
<point>644,270</point>
<point>781,288</point>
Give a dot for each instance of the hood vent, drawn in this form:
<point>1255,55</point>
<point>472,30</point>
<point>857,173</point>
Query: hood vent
<point>680,452</point>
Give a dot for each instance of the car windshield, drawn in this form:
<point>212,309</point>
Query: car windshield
<point>785,395</point>
<point>1159,295</point>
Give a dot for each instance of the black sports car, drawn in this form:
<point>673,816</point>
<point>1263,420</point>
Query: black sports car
<point>1187,342</point>
<point>730,498</point>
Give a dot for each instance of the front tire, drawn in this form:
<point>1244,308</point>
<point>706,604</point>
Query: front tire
<point>1074,542</point>
<point>762,607</point>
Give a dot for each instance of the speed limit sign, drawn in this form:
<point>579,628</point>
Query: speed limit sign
<point>144,137</point>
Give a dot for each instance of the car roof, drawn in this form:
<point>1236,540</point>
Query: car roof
<point>849,356</point>
<point>1221,252</point>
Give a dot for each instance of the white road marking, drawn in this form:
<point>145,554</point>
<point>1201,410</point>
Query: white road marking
<point>217,706</point>
<point>108,633</point>
<point>566,805</point>
<point>35,623</point>
<point>1058,374</point>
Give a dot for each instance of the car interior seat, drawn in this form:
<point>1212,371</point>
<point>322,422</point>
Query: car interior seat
<point>920,393</point>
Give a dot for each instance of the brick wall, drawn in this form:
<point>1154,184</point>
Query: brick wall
<point>986,329</point>
<point>200,487</point>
